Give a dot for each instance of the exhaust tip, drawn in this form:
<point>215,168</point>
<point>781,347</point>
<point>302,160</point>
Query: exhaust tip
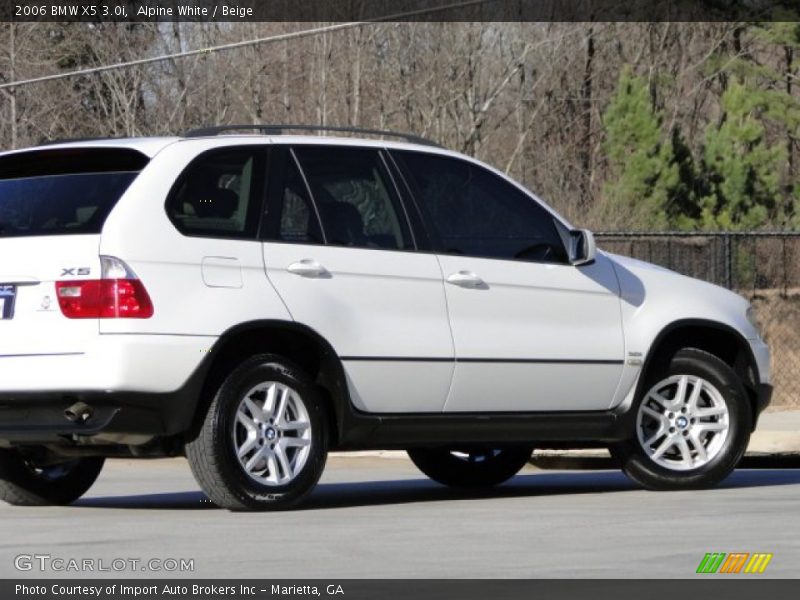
<point>80,412</point>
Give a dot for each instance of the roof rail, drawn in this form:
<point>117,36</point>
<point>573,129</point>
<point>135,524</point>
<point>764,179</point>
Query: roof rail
<point>53,142</point>
<point>280,130</point>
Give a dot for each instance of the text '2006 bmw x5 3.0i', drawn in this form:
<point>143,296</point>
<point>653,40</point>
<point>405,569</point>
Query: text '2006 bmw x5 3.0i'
<point>254,301</point>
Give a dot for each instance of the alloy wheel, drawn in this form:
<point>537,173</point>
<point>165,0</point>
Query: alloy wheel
<point>683,422</point>
<point>272,433</point>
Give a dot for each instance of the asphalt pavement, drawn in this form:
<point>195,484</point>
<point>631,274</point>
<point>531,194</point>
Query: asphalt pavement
<point>376,517</point>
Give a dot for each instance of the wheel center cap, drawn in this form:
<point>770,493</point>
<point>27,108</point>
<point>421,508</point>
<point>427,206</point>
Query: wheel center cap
<point>682,422</point>
<point>269,433</point>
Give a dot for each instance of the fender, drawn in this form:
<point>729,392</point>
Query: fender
<point>751,385</point>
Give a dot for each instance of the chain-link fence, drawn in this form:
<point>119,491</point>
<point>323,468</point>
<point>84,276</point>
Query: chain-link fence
<point>764,267</point>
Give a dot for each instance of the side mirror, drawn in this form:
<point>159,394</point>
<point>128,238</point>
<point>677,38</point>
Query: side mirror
<point>582,250</point>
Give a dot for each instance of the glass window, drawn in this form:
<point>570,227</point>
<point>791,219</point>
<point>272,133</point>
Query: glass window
<point>298,218</point>
<point>353,196</point>
<point>215,196</point>
<point>60,192</point>
<point>476,213</point>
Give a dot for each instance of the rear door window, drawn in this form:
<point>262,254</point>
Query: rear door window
<point>63,191</point>
<point>299,221</point>
<point>355,197</point>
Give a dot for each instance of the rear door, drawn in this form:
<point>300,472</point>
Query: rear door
<point>53,204</point>
<point>340,252</point>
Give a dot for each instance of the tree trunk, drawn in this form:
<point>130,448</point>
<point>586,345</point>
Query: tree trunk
<point>12,92</point>
<point>586,108</point>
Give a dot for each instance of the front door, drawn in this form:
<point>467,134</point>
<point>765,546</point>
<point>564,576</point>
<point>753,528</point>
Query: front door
<point>531,331</point>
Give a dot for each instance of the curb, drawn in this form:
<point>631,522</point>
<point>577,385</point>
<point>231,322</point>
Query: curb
<point>393,454</point>
<point>571,462</point>
<point>598,459</point>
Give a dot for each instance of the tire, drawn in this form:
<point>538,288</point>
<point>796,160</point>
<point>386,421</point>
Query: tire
<point>23,483</point>
<point>291,447</point>
<point>474,467</point>
<point>714,442</point>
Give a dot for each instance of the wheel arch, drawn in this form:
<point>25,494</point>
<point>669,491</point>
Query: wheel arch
<point>719,339</point>
<point>291,340</point>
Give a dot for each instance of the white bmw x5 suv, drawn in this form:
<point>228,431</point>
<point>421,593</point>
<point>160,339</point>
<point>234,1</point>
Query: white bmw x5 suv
<point>254,301</point>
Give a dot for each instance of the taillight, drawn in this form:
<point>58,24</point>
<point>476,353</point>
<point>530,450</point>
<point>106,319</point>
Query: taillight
<point>118,295</point>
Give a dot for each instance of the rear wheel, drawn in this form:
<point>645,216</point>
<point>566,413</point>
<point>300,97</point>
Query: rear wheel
<point>263,442</point>
<point>470,467</point>
<point>25,481</point>
<point>693,423</point>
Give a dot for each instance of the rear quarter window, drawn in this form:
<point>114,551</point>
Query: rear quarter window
<point>219,194</point>
<point>63,191</point>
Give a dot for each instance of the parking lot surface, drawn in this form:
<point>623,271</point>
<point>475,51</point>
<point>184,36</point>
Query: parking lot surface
<point>374,517</point>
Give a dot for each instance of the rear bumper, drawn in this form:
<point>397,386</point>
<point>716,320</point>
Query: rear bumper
<point>125,418</point>
<point>136,387</point>
<point>122,363</point>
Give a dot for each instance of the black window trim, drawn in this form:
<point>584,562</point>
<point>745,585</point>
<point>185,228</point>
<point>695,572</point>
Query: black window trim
<point>311,198</point>
<point>433,233</point>
<point>257,191</point>
<point>27,164</point>
<point>398,200</point>
<point>266,191</point>
<point>422,232</point>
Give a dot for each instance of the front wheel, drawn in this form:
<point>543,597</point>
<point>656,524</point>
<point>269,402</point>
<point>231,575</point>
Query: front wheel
<point>693,423</point>
<point>470,467</point>
<point>263,442</point>
<point>26,481</point>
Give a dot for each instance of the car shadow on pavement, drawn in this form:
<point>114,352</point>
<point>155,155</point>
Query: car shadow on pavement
<point>168,501</point>
<point>405,491</point>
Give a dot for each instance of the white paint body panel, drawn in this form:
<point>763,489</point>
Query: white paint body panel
<point>199,286</point>
<point>653,298</point>
<point>120,363</point>
<point>35,264</point>
<point>413,386</point>
<point>374,304</point>
<point>544,314</point>
<point>511,387</point>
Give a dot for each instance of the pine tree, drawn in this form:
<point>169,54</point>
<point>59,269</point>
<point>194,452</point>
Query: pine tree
<point>685,210</point>
<point>750,158</point>
<point>644,176</point>
<point>742,168</point>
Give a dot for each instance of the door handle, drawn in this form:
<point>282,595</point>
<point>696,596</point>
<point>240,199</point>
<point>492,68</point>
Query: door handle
<point>466,279</point>
<point>307,268</point>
